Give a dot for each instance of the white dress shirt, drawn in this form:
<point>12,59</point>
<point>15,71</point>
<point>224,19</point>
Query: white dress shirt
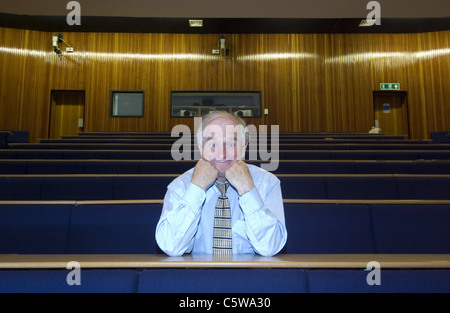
<point>257,217</point>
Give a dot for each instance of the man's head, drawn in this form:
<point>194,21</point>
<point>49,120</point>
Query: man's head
<point>222,139</point>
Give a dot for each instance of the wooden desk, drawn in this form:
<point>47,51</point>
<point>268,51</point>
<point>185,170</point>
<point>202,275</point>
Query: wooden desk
<point>15,261</point>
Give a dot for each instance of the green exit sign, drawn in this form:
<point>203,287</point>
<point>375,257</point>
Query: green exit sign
<point>390,86</point>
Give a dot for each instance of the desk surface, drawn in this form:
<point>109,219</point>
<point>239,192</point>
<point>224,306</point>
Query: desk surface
<point>28,261</point>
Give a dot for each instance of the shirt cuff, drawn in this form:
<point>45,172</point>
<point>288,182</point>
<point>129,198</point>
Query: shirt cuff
<point>251,201</point>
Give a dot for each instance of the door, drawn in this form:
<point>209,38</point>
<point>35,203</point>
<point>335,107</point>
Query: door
<point>66,113</point>
<point>391,112</point>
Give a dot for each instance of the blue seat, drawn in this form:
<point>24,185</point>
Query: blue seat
<point>428,188</point>
<point>392,280</point>
<point>113,229</point>
<point>351,155</point>
<point>382,167</point>
<point>396,155</point>
<point>328,167</point>
<point>15,167</point>
<point>39,154</point>
<point>84,154</point>
<point>8,154</point>
<point>303,187</point>
<point>165,167</point>
<point>328,228</point>
<point>17,188</point>
<point>430,167</point>
<point>231,281</point>
<point>55,281</point>
<point>361,188</point>
<point>51,167</point>
<point>77,188</point>
<point>440,137</point>
<point>33,229</point>
<point>108,167</point>
<point>141,187</point>
<point>411,228</point>
<point>18,136</point>
<point>434,155</point>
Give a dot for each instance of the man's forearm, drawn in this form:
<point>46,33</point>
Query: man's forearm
<point>266,232</point>
<point>179,222</point>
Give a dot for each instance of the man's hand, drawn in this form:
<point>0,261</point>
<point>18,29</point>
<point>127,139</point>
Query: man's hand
<point>239,176</point>
<point>204,174</point>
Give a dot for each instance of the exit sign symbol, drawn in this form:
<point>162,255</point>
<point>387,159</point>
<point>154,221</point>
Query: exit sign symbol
<point>390,86</point>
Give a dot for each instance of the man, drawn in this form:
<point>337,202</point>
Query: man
<point>223,205</point>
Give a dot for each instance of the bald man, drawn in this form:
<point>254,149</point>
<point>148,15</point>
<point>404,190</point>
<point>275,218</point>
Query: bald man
<point>253,218</point>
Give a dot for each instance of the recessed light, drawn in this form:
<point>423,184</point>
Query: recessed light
<point>196,23</point>
<point>366,23</point>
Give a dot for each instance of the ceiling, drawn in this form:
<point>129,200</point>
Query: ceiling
<point>232,8</point>
<point>230,16</point>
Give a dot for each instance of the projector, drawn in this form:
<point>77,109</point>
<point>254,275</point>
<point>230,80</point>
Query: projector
<point>187,113</point>
<point>244,113</point>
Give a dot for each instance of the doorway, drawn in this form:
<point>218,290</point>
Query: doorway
<point>391,112</point>
<point>66,113</point>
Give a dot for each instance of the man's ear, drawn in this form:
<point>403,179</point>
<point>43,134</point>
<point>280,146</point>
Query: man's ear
<point>200,148</point>
<point>244,149</point>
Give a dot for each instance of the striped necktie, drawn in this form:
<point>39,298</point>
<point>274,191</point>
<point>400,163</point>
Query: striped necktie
<point>222,223</point>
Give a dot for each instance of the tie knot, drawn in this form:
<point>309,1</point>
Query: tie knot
<point>222,187</point>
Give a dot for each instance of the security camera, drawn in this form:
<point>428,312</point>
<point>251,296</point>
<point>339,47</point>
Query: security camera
<point>55,42</point>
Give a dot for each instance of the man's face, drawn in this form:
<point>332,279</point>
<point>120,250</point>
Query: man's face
<point>222,144</point>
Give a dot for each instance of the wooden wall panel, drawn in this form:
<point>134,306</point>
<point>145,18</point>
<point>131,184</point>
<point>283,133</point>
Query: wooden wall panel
<point>309,82</point>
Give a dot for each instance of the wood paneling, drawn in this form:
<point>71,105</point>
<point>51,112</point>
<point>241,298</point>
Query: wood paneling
<point>309,82</point>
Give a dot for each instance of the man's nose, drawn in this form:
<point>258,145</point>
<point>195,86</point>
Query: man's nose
<point>221,152</point>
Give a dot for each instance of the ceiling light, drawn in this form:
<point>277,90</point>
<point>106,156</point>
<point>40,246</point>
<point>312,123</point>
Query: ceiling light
<point>366,23</point>
<point>196,23</point>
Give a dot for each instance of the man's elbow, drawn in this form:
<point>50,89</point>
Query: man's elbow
<point>170,250</point>
<point>273,248</point>
<point>168,247</point>
<point>268,253</point>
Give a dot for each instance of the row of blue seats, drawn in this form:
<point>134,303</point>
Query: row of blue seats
<point>126,187</point>
<point>281,134</point>
<point>191,140</point>
<point>313,228</point>
<point>24,166</point>
<point>14,136</point>
<point>281,146</point>
<point>440,137</point>
<point>255,281</point>
<point>281,154</point>
<point>165,135</point>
